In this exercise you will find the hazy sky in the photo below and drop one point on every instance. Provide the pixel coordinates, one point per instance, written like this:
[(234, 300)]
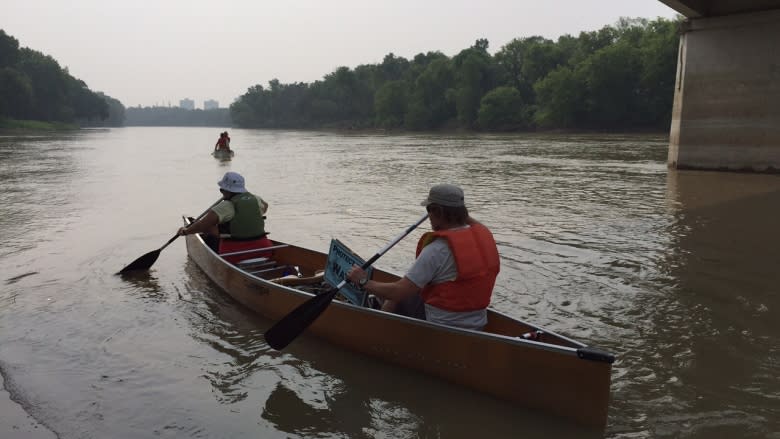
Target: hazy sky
[(147, 52)]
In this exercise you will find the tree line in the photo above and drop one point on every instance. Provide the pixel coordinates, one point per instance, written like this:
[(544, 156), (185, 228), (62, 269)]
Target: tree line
[(620, 77), (33, 86), (174, 116)]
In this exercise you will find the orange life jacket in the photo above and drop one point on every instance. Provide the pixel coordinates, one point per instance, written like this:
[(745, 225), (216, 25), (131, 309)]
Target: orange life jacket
[(477, 261)]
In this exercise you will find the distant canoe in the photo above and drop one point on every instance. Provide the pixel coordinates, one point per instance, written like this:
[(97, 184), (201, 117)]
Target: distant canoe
[(510, 359), (223, 154)]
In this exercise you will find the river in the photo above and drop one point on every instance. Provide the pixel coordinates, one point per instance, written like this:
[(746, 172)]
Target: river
[(674, 272)]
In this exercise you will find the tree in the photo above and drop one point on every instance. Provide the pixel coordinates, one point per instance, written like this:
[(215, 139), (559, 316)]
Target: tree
[(34, 86), (560, 98), (658, 64), (611, 79), (393, 67), (86, 105), (474, 76), (50, 88), (390, 104), (16, 94), (116, 112), (503, 109), (9, 50), (429, 106)]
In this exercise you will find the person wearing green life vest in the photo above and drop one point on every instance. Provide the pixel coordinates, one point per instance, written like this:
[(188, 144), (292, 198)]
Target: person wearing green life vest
[(235, 223)]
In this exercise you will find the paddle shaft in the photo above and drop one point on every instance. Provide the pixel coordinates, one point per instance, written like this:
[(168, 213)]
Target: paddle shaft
[(193, 222), (384, 250), (293, 324), (146, 261)]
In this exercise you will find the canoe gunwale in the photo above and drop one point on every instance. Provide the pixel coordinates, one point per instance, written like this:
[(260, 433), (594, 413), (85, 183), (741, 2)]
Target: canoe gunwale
[(410, 320)]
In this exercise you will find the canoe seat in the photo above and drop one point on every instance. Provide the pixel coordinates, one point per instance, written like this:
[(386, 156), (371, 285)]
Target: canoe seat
[(273, 271), (293, 280), (255, 264), (252, 261)]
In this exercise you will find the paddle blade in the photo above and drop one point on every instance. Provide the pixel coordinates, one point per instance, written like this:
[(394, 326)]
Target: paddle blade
[(142, 263), (294, 323)]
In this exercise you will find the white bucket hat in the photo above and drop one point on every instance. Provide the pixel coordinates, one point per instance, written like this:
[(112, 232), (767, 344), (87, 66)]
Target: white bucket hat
[(232, 182)]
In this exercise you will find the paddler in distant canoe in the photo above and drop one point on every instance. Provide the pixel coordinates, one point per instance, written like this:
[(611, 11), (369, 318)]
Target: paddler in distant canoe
[(223, 143)]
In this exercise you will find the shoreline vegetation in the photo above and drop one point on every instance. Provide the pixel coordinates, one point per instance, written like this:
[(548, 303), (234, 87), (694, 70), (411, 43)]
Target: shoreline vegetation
[(12, 126), (617, 79)]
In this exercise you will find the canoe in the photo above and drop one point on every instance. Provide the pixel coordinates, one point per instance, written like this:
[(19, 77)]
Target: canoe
[(223, 154), (552, 374)]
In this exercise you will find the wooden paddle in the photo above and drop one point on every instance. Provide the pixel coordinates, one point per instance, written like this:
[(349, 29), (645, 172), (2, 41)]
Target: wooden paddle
[(294, 323), (146, 261)]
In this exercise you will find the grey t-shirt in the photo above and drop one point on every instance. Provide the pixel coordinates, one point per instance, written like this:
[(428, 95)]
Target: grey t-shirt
[(435, 265)]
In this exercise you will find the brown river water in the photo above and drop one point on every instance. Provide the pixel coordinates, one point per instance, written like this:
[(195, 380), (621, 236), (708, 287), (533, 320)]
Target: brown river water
[(674, 272)]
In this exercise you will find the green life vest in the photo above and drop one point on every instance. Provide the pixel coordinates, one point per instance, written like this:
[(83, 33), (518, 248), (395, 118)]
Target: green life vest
[(248, 222)]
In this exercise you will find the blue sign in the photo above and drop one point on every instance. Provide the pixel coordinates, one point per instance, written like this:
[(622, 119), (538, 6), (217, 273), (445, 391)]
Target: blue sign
[(340, 260)]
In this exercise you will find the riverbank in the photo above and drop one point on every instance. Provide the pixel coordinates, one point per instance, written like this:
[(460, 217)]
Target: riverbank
[(15, 423), (14, 126)]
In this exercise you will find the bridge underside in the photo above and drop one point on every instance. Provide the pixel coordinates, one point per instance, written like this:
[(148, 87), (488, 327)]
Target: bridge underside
[(726, 113), (717, 8)]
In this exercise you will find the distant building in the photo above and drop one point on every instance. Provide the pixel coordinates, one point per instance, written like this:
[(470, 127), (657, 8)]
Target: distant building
[(187, 104), (211, 104)]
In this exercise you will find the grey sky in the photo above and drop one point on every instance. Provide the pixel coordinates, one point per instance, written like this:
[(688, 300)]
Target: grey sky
[(147, 52)]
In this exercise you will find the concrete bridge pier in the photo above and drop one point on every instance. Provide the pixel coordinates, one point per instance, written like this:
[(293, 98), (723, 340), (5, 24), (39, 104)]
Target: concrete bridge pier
[(726, 113)]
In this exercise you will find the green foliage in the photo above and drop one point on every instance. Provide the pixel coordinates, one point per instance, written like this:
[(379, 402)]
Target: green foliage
[(9, 50), (611, 77), (16, 94), (503, 109), (430, 100), (618, 77), (33, 86), (561, 100), (525, 61), (473, 78), (116, 114), (658, 64), (34, 125), (393, 68), (390, 104)]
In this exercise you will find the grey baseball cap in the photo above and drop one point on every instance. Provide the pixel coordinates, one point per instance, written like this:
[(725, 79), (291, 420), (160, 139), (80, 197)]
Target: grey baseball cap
[(445, 195)]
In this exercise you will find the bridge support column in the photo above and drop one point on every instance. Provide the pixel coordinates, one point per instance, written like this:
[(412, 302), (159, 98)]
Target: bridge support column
[(726, 113)]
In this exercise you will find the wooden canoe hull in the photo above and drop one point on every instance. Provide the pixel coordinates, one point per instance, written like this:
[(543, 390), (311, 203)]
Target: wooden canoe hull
[(549, 376), (225, 155)]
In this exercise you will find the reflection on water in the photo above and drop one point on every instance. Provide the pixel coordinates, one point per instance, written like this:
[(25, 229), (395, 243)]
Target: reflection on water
[(723, 267), (145, 285), (289, 413), (672, 271)]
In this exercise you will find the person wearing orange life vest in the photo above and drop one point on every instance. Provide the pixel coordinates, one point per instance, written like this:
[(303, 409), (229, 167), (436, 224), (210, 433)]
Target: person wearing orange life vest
[(223, 143), (452, 278)]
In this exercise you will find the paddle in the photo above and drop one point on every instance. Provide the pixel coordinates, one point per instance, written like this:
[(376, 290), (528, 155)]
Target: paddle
[(294, 323), (146, 261)]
